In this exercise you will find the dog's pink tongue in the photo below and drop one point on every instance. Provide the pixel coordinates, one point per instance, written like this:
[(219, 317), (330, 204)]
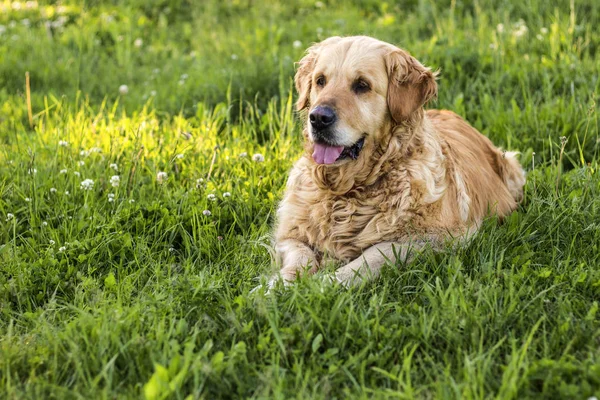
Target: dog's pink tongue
[(324, 154)]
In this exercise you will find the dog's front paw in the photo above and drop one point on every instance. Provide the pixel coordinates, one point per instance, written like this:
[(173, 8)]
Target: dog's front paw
[(271, 284), (348, 277), (330, 279)]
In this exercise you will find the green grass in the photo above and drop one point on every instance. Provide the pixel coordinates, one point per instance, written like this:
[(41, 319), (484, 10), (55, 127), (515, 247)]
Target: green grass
[(147, 296)]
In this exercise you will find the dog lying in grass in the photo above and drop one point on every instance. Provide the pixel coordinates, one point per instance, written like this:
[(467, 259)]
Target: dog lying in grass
[(381, 177)]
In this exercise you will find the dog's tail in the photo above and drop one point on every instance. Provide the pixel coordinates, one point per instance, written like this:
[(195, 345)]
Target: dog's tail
[(511, 172)]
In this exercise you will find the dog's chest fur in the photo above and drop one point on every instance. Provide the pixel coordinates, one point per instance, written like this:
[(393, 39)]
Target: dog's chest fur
[(342, 226)]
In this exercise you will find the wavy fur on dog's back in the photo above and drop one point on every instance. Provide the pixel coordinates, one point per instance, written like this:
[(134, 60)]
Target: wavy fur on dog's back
[(493, 179)]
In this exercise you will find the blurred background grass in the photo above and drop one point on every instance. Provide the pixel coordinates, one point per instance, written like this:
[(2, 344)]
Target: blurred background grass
[(524, 73)]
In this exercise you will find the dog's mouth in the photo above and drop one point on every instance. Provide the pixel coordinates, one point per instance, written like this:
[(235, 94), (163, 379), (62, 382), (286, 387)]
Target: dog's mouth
[(325, 153)]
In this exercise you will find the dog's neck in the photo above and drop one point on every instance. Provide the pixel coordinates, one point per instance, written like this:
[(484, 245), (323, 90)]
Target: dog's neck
[(399, 146)]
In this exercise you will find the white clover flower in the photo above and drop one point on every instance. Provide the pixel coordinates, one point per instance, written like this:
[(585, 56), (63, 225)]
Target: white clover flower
[(131, 201), (26, 22), (111, 195), (114, 166), (181, 82), (52, 242), (207, 213), (44, 223), (87, 184), (161, 176), (183, 77), (156, 71), (500, 28), (153, 93), (243, 155), (63, 143), (31, 4), (9, 216), (319, 4), (76, 173), (32, 171), (52, 190), (493, 46), (179, 156), (258, 157), (123, 90), (211, 197), (81, 163), (59, 22), (544, 31), (226, 194), (115, 180), (171, 249), (519, 28), (234, 57), (138, 42), (297, 44), (67, 192), (63, 171), (199, 181), (539, 37), (27, 199), (111, 199), (84, 153), (62, 248), (521, 31)]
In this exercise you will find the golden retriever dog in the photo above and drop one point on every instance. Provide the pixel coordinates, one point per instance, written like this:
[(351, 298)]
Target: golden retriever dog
[(381, 177)]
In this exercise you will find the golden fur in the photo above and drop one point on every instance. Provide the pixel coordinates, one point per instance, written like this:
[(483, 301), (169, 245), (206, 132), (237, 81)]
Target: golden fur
[(421, 177)]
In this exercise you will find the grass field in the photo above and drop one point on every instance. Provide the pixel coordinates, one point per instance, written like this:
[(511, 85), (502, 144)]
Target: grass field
[(136, 206)]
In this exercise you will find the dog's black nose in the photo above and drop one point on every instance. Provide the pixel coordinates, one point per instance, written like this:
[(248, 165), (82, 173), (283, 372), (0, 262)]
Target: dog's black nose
[(321, 117)]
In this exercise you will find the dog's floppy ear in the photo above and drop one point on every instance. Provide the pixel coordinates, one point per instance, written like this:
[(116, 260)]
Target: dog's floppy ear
[(411, 84), (303, 78)]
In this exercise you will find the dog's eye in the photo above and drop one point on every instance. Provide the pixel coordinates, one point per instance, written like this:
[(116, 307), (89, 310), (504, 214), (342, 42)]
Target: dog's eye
[(320, 81), (360, 86)]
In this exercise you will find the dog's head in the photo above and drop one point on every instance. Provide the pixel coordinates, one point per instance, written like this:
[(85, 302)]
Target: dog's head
[(355, 89)]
